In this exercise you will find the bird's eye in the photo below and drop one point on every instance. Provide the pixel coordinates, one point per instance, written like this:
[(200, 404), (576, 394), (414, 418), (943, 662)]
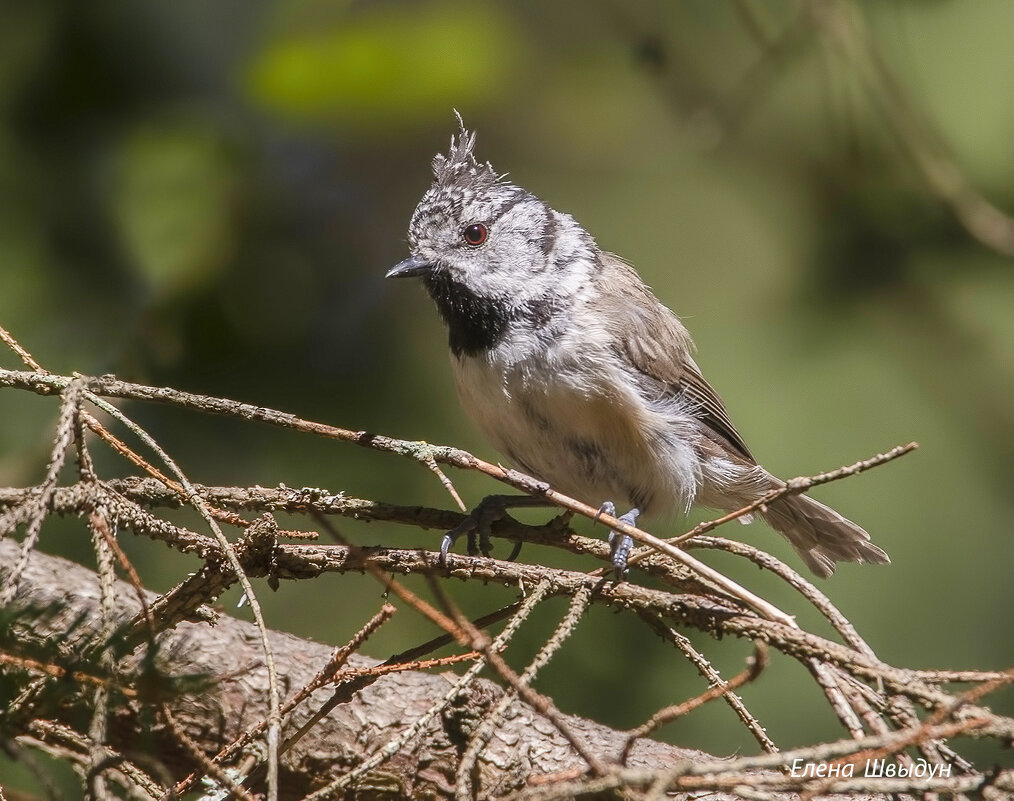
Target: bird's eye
[(475, 234)]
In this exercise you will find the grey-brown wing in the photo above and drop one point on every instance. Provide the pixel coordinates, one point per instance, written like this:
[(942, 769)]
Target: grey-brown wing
[(710, 408), (658, 345)]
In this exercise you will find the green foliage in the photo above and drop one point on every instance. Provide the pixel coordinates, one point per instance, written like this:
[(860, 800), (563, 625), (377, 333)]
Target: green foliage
[(389, 65), (174, 197)]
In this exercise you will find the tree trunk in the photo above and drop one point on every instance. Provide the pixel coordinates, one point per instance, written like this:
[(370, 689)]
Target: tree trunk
[(58, 602)]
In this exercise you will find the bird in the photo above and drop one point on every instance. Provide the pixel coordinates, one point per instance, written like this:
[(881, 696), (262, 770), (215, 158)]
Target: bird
[(577, 373)]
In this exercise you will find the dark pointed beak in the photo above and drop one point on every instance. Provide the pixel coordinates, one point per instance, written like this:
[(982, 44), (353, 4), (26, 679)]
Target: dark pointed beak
[(413, 265)]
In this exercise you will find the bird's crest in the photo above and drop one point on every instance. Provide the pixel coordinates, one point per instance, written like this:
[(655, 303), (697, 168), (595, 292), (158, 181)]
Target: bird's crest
[(459, 165)]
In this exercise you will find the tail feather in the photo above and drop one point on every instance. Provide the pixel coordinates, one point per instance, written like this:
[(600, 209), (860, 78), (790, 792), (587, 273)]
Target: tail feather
[(820, 535)]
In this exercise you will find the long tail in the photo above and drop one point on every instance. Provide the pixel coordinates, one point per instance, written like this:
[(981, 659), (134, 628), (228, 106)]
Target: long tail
[(820, 535)]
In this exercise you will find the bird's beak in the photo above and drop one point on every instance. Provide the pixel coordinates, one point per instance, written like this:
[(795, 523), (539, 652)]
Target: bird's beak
[(413, 265)]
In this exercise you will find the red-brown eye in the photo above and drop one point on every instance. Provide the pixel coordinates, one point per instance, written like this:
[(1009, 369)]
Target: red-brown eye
[(475, 234)]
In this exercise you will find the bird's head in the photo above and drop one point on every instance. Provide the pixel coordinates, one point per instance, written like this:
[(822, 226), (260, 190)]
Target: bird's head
[(476, 230)]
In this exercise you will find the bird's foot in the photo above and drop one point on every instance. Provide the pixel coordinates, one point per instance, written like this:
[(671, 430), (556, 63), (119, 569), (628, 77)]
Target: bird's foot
[(620, 545), (478, 524)]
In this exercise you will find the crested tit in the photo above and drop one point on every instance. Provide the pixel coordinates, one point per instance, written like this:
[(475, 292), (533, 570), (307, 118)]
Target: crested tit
[(579, 374)]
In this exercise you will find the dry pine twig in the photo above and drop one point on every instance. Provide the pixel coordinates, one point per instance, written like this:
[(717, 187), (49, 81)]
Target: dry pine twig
[(866, 694)]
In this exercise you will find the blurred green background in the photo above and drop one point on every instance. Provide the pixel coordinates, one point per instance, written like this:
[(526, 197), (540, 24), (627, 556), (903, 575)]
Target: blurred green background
[(207, 196)]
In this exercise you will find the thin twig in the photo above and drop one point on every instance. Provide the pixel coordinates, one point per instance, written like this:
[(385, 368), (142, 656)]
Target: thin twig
[(72, 394), (100, 524), (139, 461), (755, 665), (274, 713), (427, 459), (395, 745), (494, 718), (340, 656), (794, 486), (334, 664), (23, 354), (843, 702), (52, 732), (388, 581), (708, 671), (97, 728), (540, 703), (59, 672), (420, 664), (794, 579), (920, 733), (195, 753), (109, 386)]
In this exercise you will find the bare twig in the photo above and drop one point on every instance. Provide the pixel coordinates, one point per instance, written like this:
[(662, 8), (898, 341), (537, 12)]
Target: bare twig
[(543, 705), (136, 459), (376, 671), (494, 718), (97, 729), (49, 731), (708, 671), (388, 581), (100, 524), (389, 750), (920, 732), (72, 393), (800, 584), (273, 694), (794, 486), (340, 656), (207, 765), (45, 384), (59, 672), (756, 664), (23, 354), (427, 459)]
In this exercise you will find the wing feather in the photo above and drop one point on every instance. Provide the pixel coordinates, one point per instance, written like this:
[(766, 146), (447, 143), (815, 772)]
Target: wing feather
[(658, 345)]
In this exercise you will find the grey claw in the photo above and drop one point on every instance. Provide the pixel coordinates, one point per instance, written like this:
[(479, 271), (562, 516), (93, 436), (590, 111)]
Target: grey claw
[(607, 508), (445, 545), (466, 526)]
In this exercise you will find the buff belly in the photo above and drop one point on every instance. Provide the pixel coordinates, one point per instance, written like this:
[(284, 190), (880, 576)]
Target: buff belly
[(595, 443)]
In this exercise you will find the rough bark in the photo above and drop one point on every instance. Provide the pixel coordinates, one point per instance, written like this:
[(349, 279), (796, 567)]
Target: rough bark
[(58, 602)]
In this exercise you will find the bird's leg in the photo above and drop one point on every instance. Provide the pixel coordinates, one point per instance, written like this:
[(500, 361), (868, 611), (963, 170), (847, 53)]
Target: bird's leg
[(481, 518), (619, 544)]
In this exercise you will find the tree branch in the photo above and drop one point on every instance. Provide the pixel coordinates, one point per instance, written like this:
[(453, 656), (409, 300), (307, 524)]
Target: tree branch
[(235, 698)]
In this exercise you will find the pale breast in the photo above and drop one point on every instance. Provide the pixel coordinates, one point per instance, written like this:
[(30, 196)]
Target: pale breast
[(576, 423)]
